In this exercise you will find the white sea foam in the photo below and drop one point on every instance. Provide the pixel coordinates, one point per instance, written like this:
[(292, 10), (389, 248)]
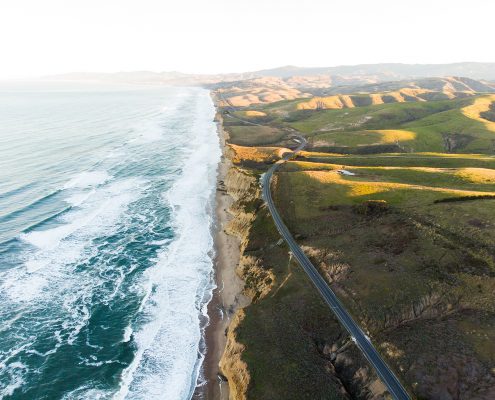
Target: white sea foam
[(151, 130), (87, 392), (62, 245), (15, 370), (86, 179), (167, 361), (7, 324), (78, 198), (116, 154), (57, 279), (127, 334), (47, 278), (159, 242), (147, 132)]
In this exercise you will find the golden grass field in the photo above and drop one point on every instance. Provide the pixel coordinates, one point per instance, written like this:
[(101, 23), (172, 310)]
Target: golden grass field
[(397, 96), (480, 105), (256, 154)]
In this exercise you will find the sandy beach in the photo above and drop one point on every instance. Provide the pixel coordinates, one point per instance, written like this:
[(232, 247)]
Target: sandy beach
[(227, 297)]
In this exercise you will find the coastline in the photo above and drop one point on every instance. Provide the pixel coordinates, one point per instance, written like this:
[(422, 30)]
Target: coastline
[(227, 297)]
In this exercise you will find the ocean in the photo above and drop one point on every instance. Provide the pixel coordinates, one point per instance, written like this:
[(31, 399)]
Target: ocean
[(106, 200)]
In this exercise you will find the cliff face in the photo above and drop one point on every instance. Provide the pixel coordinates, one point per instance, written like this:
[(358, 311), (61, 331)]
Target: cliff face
[(231, 364), (243, 188)]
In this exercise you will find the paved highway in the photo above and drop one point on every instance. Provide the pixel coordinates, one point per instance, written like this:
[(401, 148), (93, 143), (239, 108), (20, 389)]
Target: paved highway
[(363, 342)]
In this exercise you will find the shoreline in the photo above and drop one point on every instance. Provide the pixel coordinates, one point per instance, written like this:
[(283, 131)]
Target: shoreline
[(227, 296)]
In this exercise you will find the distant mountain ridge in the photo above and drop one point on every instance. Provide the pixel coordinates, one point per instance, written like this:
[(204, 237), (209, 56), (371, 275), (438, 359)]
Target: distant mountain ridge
[(151, 77), (391, 71), (445, 84), (335, 76)]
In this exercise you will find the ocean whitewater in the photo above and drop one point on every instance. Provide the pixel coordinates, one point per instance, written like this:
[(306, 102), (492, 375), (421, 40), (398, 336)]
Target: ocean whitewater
[(106, 199)]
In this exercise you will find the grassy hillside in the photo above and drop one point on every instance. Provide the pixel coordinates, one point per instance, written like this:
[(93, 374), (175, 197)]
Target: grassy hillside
[(450, 126), (407, 241), (402, 95), (325, 92), (417, 271), (440, 85)]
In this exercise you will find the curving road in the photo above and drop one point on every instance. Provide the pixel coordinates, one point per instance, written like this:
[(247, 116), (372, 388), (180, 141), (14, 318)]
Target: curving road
[(363, 342)]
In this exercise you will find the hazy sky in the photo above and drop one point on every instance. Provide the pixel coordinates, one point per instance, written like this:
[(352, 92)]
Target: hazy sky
[(39, 37)]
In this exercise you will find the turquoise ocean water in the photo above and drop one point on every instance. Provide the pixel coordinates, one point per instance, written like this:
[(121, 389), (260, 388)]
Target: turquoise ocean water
[(105, 240)]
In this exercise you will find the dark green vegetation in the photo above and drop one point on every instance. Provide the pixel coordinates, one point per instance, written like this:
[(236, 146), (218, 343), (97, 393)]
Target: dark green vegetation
[(407, 242), (414, 263), (490, 114), (254, 135)]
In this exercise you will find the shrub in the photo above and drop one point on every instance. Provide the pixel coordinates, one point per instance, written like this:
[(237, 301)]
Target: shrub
[(372, 207)]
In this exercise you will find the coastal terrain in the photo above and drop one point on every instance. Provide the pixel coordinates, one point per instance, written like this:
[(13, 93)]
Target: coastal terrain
[(393, 200), (247, 200)]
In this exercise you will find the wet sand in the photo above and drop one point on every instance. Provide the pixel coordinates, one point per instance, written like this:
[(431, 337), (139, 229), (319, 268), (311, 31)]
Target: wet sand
[(227, 296)]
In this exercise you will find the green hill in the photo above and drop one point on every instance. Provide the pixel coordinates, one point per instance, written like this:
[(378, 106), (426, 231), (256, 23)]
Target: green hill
[(450, 126)]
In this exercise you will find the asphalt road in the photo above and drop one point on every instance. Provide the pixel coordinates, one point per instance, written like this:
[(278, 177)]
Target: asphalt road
[(363, 342)]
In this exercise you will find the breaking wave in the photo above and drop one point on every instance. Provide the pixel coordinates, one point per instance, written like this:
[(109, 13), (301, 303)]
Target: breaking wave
[(103, 294)]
